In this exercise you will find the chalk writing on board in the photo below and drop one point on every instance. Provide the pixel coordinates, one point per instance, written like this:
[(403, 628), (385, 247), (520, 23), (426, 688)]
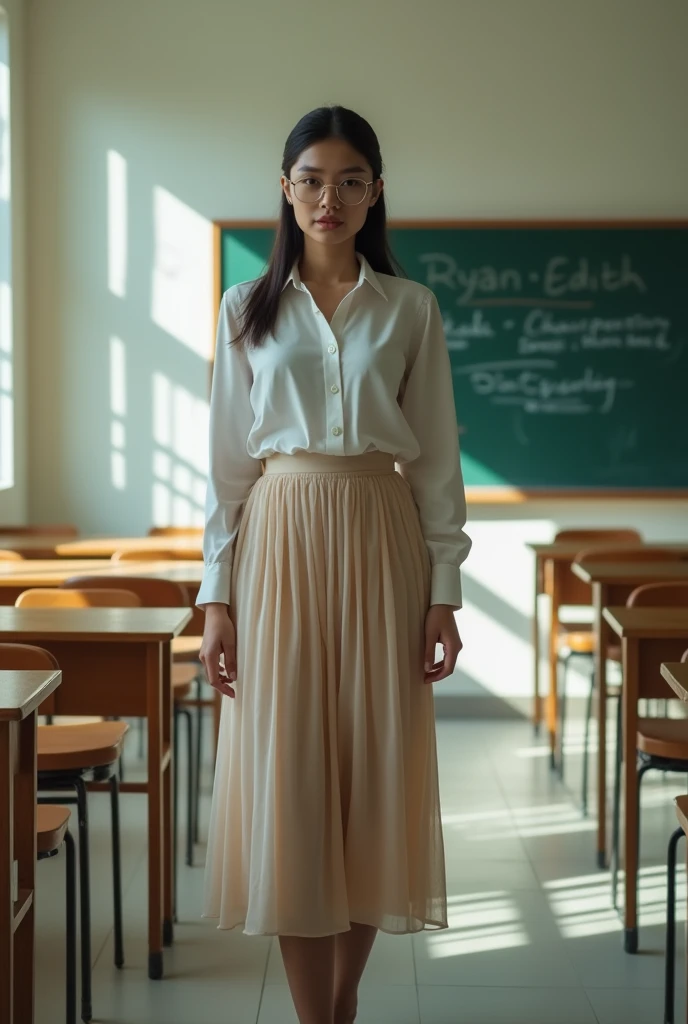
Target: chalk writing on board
[(538, 387), (561, 278)]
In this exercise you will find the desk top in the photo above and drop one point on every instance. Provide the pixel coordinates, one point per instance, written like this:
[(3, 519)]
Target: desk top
[(631, 572), (111, 625), (52, 572), (22, 692), (667, 623), (681, 803), (187, 546), (676, 675), (563, 549)]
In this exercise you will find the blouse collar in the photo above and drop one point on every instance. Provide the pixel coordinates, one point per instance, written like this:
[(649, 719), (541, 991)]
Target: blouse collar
[(366, 274)]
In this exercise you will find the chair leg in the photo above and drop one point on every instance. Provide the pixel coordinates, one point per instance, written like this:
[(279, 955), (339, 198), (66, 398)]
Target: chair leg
[(199, 756), (586, 741), (175, 807), (190, 788), (670, 954), (631, 940), (85, 901), (71, 927), (618, 760), (142, 735), (562, 673), (117, 872)]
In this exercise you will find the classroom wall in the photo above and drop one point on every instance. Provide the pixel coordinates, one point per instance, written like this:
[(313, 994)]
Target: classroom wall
[(13, 499), (146, 120)]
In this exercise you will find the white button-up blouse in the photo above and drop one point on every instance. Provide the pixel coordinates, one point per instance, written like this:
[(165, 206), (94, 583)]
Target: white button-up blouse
[(377, 378)]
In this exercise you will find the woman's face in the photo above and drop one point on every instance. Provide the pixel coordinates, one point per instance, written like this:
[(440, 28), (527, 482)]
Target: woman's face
[(330, 219)]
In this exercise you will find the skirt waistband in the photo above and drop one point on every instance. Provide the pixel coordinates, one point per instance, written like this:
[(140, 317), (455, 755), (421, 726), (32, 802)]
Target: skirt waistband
[(313, 462)]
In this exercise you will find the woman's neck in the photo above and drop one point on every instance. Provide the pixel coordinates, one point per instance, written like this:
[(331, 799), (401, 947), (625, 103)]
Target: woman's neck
[(328, 265)]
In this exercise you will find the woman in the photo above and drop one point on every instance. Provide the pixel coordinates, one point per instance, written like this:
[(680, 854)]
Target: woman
[(329, 579)]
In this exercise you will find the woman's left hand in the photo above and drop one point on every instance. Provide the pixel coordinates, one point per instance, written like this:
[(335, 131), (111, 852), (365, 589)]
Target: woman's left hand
[(440, 628)]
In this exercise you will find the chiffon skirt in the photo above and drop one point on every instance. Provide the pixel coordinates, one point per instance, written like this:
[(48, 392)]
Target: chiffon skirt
[(325, 805)]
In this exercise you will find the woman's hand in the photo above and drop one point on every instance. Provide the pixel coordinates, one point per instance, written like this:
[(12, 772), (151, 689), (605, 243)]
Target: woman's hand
[(219, 642), (440, 628)]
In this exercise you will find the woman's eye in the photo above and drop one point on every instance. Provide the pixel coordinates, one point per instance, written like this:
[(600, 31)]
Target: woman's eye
[(349, 182), (311, 181)]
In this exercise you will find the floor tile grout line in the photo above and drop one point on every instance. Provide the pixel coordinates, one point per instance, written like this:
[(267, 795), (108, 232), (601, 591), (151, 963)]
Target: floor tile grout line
[(125, 892)]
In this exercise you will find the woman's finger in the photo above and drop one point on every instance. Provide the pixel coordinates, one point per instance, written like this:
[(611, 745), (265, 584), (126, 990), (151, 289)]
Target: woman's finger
[(223, 686)]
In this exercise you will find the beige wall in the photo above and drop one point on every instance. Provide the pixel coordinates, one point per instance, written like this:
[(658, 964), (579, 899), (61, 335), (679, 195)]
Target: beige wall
[(13, 500), (175, 113)]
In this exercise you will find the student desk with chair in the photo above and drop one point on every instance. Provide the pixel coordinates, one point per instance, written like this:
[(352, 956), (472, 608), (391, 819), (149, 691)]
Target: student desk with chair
[(117, 662), (21, 694)]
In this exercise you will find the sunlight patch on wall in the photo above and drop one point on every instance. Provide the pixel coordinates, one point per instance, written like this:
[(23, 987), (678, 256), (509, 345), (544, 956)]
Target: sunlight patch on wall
[(182, 296), (493, 655), (117, 223), (6, 389), (180, 458), (118, 410)]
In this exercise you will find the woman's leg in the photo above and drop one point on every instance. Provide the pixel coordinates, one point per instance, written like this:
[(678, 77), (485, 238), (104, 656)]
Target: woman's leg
[(352, 950), (309, 964)]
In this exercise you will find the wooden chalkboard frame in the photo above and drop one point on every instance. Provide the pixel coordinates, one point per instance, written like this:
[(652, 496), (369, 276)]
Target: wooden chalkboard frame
[(492, 495)]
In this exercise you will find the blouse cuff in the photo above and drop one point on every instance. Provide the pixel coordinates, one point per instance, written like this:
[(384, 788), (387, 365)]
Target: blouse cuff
[(216, 584), (445, 585)]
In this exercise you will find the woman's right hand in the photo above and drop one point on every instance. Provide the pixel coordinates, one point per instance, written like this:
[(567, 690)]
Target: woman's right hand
[(219, 641)]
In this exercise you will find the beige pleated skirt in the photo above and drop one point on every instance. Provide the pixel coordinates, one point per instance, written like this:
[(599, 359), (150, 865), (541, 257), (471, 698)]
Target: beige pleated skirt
[(326, 806)]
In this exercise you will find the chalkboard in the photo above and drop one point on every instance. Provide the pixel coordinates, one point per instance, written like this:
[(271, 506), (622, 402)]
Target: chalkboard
[(568, 345)]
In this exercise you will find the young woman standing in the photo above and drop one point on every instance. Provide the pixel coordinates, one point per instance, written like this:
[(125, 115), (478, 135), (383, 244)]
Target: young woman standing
[(329, 579)]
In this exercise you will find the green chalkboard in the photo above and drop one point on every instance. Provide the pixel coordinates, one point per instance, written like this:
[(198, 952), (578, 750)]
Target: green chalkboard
[(568, 345)]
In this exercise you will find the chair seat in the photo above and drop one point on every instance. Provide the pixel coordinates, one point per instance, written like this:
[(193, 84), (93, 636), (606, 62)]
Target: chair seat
[(182, 680), (663, 737), (186, 648), (576, 641), (68, 747), (51, 824)]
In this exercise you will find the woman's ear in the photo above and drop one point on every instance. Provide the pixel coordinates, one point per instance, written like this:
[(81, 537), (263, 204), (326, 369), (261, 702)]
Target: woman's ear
[(376, 191)]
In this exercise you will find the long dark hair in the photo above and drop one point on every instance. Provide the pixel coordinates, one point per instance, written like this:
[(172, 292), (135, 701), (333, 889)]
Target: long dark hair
[(261, 306)]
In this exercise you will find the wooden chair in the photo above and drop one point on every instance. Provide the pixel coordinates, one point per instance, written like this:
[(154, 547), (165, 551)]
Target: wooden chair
[(157, 593), (10, 556), (52, 831), (157, 554), (68, 758), (661, 743), (62, 530), (175, 531), (591, 536), (107, 597), (579, 642), (681, 803)]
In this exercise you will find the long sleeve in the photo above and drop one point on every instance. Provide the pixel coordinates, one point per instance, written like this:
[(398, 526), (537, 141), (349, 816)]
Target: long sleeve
[(233, 471), (435, 476)]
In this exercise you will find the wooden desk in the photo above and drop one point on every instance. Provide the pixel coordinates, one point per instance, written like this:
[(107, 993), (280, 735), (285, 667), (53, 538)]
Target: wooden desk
[(612, 583), (649, 637), (33, 546), (21, 693), (551, 560), (676, 675), (15, 577), (116, 661), (187, 547)]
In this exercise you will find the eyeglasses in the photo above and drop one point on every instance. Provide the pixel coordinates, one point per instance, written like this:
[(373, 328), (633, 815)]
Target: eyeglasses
[(351, 192)]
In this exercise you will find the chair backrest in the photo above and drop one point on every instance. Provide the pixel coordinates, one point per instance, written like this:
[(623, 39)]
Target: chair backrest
[(175, 531), (153, 593), (26, 658), (659, 595), (10, 556), (643, 554), (61, 530), (50, 597), (594, 535), (145, 555)]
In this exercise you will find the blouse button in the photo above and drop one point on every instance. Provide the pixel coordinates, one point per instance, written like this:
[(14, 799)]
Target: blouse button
[(336, 431), (332, 349), (334, 389)]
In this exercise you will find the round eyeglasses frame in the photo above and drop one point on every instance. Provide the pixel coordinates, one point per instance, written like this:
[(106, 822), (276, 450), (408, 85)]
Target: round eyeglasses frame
[(311, 202)]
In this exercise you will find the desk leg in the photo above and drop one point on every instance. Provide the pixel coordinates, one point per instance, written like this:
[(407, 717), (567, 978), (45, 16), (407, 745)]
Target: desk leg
[(6, 858), (553, 695), (169, 834), (603, 637), (629, 696), (156, 871), (537, 700), (25, 854)]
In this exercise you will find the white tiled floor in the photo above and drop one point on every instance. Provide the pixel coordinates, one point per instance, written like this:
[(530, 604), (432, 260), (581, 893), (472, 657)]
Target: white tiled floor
[(532, 938)]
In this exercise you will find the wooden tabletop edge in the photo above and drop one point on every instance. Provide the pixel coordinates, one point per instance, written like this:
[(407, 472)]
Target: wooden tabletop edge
[(33, 698)]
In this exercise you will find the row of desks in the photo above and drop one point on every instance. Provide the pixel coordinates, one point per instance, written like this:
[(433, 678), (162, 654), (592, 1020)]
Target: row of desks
[(114, 662), (57, 546)]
